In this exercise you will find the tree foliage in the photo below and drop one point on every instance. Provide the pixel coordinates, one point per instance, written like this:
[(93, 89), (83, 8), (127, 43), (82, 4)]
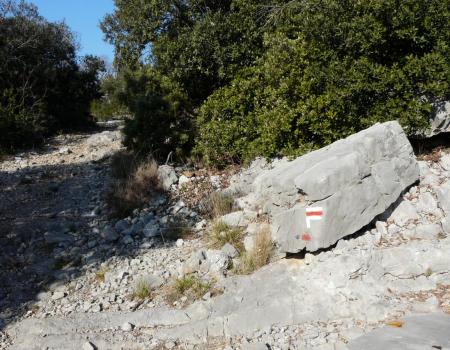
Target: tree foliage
[(332, 68), (283, 77), (44, 87)]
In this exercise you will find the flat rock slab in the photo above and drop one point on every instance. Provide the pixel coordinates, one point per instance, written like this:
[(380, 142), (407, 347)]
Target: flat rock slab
[(418, 332), (335, 191)]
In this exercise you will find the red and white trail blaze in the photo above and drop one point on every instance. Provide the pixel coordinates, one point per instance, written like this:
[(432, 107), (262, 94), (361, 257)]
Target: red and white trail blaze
[(313, 214)]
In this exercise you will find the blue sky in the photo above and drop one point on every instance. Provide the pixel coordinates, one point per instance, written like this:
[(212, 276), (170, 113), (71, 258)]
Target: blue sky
[(83, 17)]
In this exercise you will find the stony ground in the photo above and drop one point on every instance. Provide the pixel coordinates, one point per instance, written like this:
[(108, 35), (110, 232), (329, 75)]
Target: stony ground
[(69, 273)]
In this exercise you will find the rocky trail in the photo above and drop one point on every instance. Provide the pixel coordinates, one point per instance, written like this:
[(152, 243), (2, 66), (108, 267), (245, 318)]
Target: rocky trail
[(68, 271)]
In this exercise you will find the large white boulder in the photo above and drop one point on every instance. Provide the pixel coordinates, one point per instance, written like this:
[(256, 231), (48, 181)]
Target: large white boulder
[(333, 192)]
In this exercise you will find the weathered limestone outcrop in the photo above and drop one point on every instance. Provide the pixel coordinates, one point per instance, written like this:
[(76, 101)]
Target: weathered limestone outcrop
[(440, 119), (333, 192)]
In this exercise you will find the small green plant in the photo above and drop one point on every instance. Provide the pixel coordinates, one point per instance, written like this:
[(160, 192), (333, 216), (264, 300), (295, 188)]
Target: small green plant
[(100, 274), (190, 286), (428, 272), (221, 233), (141, 290), (258, 256)]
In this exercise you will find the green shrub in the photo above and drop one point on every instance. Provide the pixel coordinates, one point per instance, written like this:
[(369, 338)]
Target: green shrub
[(161, 120), (110, 106), (332, 69)]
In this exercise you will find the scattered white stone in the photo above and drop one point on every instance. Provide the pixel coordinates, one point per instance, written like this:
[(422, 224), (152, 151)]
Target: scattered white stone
[(183, 180), (58, 295), (179, 243), (89, 346), (127, 327)]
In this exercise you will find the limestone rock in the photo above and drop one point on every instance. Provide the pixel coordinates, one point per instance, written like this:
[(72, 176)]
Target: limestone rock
[(89, 346), (167, 176), (417, 332), (183, 180), (229, 250), (151, 230), (217, 261), (445, 161), (237, 218), (443, 194), (127, 327), (440, 119), (342, 186), (404, 213)]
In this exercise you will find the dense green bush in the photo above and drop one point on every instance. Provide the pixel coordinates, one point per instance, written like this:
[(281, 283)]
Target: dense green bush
[(197, 46), (44, 87), (162, 121), (110, 106), (333, 68), (278, 77)]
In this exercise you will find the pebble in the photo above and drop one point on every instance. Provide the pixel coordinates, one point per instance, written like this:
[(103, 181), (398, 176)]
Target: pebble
[(89, 346), (127, 327)]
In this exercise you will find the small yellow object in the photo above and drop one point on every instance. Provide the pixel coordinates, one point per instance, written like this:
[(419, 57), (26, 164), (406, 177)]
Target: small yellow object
[(397, 324)]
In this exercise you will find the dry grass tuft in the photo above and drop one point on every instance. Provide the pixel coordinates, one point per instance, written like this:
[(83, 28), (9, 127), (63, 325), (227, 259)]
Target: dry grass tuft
[(100, 274), (221, 233), (260, 254), (135, 189), (141, 290), (217, 204)]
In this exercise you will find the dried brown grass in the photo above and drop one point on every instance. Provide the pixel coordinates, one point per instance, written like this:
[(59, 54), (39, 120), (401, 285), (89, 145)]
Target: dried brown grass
[(133, 190), (259, 256), (217, 204)]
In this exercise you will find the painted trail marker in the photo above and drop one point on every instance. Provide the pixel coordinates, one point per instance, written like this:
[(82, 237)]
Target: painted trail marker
[(313, 214)]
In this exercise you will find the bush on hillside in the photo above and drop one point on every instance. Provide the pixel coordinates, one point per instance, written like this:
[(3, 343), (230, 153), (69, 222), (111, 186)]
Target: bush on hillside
[(332, 69)]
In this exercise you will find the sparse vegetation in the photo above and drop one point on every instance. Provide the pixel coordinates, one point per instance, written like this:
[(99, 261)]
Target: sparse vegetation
[(135, 189), (100, 274), (428, 272), (260, 254), (190, 286), (141, 290), (221, 233), (217, 204)]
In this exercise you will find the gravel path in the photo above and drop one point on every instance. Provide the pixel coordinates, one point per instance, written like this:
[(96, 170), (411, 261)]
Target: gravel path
[(70, 272)]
